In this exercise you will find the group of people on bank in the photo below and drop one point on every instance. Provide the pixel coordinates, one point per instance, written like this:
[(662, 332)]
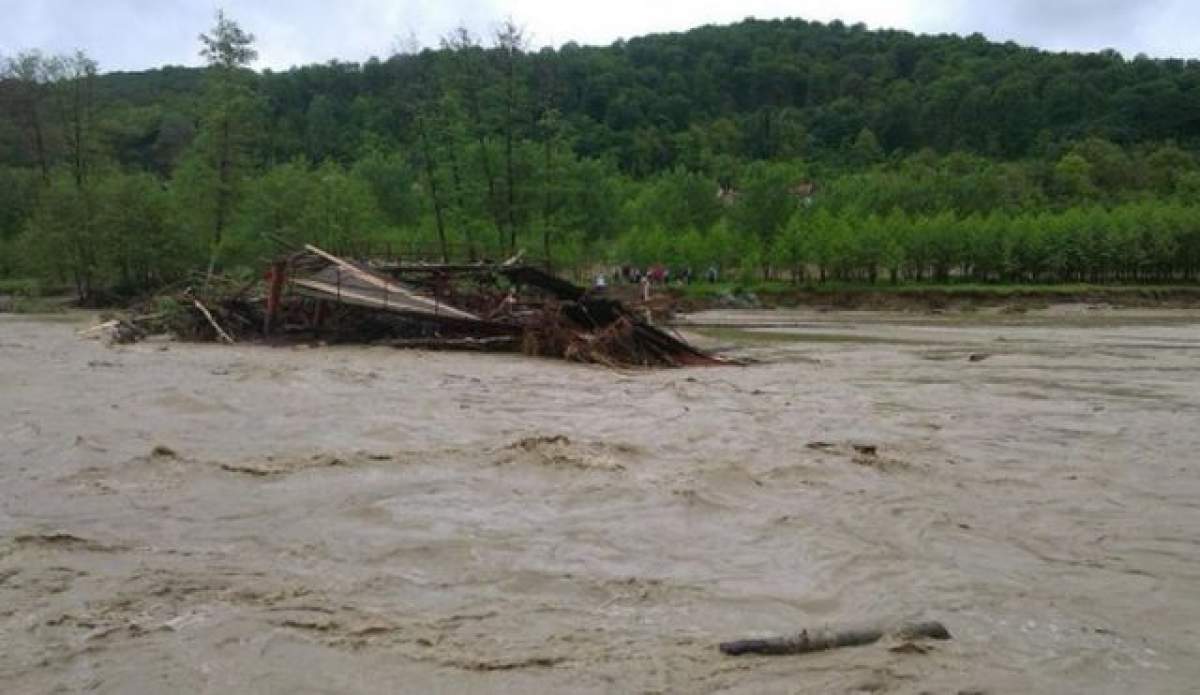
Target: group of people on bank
[(656, 274)]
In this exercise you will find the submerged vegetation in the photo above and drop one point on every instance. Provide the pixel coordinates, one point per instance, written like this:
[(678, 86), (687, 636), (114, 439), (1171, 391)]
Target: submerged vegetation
[(782, 150)]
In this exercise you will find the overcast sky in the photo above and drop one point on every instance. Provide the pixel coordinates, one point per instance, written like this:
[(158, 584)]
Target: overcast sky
[(137, 34)]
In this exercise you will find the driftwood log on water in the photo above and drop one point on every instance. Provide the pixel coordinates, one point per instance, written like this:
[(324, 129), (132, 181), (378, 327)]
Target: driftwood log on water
[(821, 640)]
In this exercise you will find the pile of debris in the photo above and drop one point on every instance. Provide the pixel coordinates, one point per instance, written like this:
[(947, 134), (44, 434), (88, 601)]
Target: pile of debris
[(312, 294)]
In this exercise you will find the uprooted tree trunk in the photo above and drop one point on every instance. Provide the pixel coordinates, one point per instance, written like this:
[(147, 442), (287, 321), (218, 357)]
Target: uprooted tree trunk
[(820, 640)]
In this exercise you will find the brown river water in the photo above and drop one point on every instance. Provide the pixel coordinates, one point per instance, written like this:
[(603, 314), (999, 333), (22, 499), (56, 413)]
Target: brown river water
[(202, 518)]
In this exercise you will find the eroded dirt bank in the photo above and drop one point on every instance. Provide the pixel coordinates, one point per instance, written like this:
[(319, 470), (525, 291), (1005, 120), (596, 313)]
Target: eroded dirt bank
[(181, 518)]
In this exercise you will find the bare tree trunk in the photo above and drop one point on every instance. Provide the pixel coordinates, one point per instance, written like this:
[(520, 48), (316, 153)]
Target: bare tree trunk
[(74, 111), (546, 205), (485, 160), (431, 179), (39, 141), (471, 87), (508, 160), (808, 641), (31, 103), (224, 174), (510, 39), (493, 206), (547, 86), (456, 178), (81, 114)]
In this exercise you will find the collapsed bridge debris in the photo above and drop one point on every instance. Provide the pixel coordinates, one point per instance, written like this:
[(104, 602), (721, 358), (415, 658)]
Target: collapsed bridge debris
[(510, 306)]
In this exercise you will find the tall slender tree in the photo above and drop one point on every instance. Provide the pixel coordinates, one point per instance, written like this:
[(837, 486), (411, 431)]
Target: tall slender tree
[(229, 51), (27, 74), (510, 45), (74, 81), (472, 75), (429, 164)]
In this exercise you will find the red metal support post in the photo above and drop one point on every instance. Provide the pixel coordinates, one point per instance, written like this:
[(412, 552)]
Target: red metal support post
[(275, 279)]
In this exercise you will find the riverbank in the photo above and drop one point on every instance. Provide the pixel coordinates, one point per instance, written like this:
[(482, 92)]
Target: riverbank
[(701, 296), (924, 297)]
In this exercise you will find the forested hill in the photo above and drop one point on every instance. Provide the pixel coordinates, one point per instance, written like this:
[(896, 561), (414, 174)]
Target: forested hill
[(753, 90), (765, 148)]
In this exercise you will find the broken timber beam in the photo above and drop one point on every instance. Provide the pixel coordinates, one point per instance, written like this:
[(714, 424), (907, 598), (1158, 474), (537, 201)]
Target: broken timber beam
[(217, 327), (370, 278)]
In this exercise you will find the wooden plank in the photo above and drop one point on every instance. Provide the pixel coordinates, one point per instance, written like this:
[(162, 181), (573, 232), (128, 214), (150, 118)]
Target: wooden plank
[(373, 279), (349, 296), (203, 310)]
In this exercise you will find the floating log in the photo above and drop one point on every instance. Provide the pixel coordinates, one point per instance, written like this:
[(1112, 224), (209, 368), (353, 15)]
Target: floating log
[(820, 640)]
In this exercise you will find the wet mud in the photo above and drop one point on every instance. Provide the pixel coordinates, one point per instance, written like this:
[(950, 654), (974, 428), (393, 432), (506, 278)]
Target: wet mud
[(182, 518)]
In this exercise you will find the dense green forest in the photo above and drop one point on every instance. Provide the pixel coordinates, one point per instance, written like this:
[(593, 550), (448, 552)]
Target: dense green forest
[(785, 149)]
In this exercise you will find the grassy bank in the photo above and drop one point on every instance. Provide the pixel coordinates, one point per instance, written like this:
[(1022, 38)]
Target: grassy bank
[(927, 295), (31, 296)]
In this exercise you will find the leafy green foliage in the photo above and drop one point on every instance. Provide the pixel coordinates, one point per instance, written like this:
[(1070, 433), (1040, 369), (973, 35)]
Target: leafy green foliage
[(765, 150)]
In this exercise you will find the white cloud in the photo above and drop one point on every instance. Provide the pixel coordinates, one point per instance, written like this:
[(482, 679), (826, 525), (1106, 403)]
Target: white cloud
[(1153, 26)]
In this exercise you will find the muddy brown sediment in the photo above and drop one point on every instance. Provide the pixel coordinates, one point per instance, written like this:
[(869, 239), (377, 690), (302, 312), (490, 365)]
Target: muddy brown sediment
[(370, 520)]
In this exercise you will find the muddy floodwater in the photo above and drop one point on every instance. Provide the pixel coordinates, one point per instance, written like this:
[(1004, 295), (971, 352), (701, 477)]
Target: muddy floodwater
[(201, 518)]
